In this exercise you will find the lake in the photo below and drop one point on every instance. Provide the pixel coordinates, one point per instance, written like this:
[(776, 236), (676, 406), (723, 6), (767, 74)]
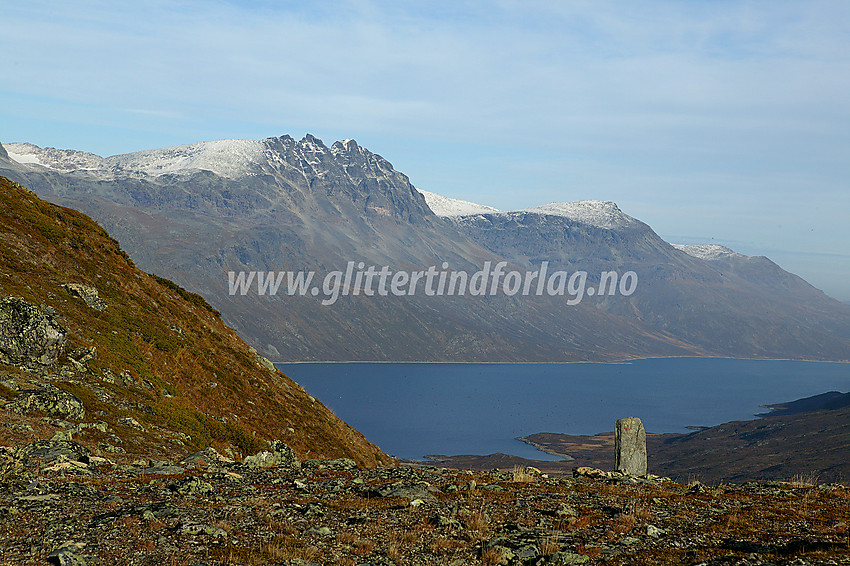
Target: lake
[(414, 409)]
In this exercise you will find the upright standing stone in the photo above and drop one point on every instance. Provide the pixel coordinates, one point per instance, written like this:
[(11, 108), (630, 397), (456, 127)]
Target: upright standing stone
[(630, 446)]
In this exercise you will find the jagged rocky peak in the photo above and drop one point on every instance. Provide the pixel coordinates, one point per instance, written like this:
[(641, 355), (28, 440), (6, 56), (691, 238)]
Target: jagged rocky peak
[(709, 252), (3, 153), (346, 146), (311, 143)]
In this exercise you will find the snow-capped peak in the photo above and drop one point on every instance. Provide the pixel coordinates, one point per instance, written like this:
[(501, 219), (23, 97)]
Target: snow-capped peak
[(602, 214), (445, 206), (708, 252)]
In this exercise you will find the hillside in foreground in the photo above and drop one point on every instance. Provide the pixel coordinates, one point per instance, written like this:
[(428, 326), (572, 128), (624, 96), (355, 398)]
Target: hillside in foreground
[(331, 513), (130, 365)]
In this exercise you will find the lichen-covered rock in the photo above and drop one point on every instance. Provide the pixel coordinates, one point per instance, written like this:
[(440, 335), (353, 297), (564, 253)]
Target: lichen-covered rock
[(418, 490), (50, 450), (592, 473), (28, 336), (89, 295), (67, 555), (280, 455), (207, 456), (335, 464), (208, 530), (49, 400), (193, 486)]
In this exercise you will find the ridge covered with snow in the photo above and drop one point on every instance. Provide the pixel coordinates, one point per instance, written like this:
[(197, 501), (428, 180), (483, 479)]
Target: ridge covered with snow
[(237, 158), (708, 252), (57, 159), (602, 214), (445, 206), (226, 158)]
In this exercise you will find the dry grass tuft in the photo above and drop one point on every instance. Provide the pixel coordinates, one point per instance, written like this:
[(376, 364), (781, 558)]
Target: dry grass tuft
[(549, 544), (491, 557), (808, 479), (523, 474)]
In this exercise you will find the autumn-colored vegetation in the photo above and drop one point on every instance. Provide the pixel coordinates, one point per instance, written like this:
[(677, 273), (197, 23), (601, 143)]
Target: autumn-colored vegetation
[(163, 355)]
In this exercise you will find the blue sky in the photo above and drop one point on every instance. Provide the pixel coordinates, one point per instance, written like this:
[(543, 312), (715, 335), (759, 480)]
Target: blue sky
[(714, 122)]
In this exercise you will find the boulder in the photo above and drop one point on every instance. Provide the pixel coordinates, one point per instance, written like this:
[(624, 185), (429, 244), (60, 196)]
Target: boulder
[(206, 457), (592, 473), (280, 455), (28, 336), (50, 450), (49, 400), (88, 295)]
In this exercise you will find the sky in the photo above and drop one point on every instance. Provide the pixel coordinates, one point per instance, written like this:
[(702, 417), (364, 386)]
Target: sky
[(712, 121)]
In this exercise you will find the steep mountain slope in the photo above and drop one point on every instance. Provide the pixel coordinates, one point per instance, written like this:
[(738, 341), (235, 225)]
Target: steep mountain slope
[(126, 362), (194, 213)]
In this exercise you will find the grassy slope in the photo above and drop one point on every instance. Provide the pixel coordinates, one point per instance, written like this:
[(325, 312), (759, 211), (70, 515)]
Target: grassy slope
[(186, 372)]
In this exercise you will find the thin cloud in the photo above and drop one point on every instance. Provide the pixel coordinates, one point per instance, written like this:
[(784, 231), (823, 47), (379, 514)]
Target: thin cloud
[(665, 106)]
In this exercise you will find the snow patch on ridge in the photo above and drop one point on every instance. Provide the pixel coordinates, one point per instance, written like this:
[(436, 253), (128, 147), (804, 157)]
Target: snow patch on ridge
[(25, 158), (51, 158), (445, 206), (226, 158), (602, 214), (708, 252)]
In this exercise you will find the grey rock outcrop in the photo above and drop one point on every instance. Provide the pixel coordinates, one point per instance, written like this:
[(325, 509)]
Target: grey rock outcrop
[(280, 455), (207, 456), (418, 490), (28, 336), (50, 450), (49, 400), (630, 446), (67, 555), (88, 295)]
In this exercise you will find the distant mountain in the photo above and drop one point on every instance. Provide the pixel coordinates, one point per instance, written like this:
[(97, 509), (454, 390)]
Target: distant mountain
[(445, 206), (725, 302), (193, 213)]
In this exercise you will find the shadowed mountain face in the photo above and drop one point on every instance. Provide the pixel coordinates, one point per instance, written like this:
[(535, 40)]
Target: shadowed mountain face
[(727, 303), (194, 213)]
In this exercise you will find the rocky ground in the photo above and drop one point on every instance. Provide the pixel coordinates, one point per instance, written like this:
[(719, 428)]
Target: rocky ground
[(61, 504)]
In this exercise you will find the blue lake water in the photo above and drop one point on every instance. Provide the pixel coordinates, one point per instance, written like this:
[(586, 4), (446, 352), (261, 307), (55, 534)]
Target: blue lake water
[(414, 409)]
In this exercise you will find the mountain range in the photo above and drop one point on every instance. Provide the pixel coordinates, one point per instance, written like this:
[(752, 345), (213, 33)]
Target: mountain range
[(195, 213)]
